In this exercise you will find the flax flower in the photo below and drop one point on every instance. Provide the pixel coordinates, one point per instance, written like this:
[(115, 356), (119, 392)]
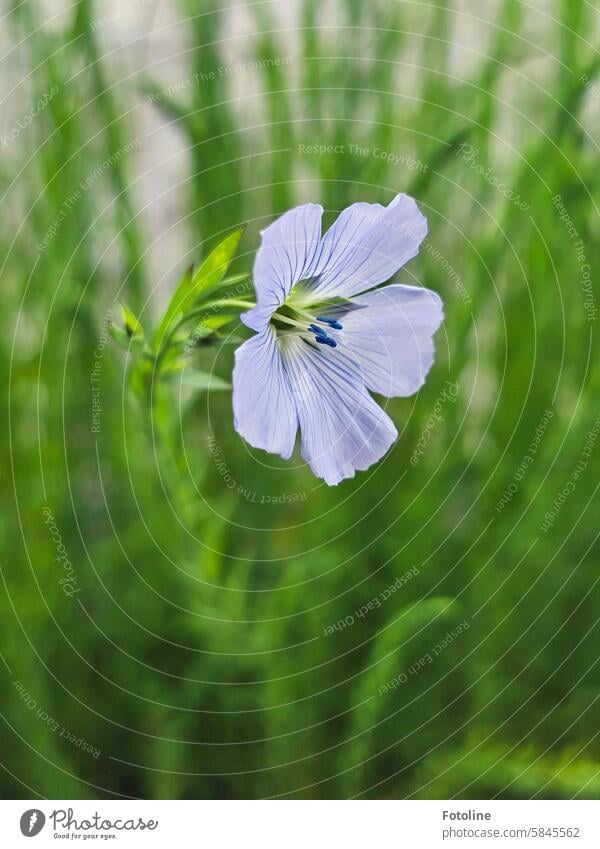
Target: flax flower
[(326, 336)]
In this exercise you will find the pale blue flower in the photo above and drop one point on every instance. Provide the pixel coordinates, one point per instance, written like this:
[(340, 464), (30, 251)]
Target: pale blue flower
[(325, 336)]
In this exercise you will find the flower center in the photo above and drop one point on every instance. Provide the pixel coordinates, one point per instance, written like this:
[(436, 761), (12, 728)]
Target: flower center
[(314, 328)]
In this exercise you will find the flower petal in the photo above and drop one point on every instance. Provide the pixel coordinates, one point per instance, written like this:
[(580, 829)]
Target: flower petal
[(264, 412), (258, 317), (287, 254), (365, 246), (388, 338), (343, 429)]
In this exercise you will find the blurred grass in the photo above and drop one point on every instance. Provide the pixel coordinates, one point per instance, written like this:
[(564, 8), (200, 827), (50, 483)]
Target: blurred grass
[(195, 655)]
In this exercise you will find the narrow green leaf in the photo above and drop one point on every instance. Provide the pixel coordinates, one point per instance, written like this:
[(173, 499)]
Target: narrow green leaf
[(132, 324), (200, 335), (214, 322), (172, 310), (119, 335), (236, 278), (229, 339), (193, 283), (174, 367), (200, 381), (213, 269)]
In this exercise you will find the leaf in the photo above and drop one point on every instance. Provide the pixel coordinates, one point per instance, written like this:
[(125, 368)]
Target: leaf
[(230, 339), (199, 380), (172, 309), (204, 333), (236, 278), (173, 367), (214, 322), (203, 381), (119, 335), (193, 283), (204, 329), (212, 270), (132, 325)]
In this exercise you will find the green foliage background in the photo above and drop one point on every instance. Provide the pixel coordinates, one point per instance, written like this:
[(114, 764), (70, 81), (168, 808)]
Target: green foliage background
[(196, 655)]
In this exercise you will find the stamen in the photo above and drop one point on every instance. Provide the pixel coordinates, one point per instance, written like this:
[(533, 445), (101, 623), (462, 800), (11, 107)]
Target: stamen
[(332, 322), (287, 320), (298, 328), (326, 340)]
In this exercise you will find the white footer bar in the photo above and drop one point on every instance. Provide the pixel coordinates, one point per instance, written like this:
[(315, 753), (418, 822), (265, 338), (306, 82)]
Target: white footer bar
[(302, 824)]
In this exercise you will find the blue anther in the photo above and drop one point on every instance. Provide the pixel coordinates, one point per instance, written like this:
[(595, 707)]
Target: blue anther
[(332, 322), (326, 340), (317, 330)]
